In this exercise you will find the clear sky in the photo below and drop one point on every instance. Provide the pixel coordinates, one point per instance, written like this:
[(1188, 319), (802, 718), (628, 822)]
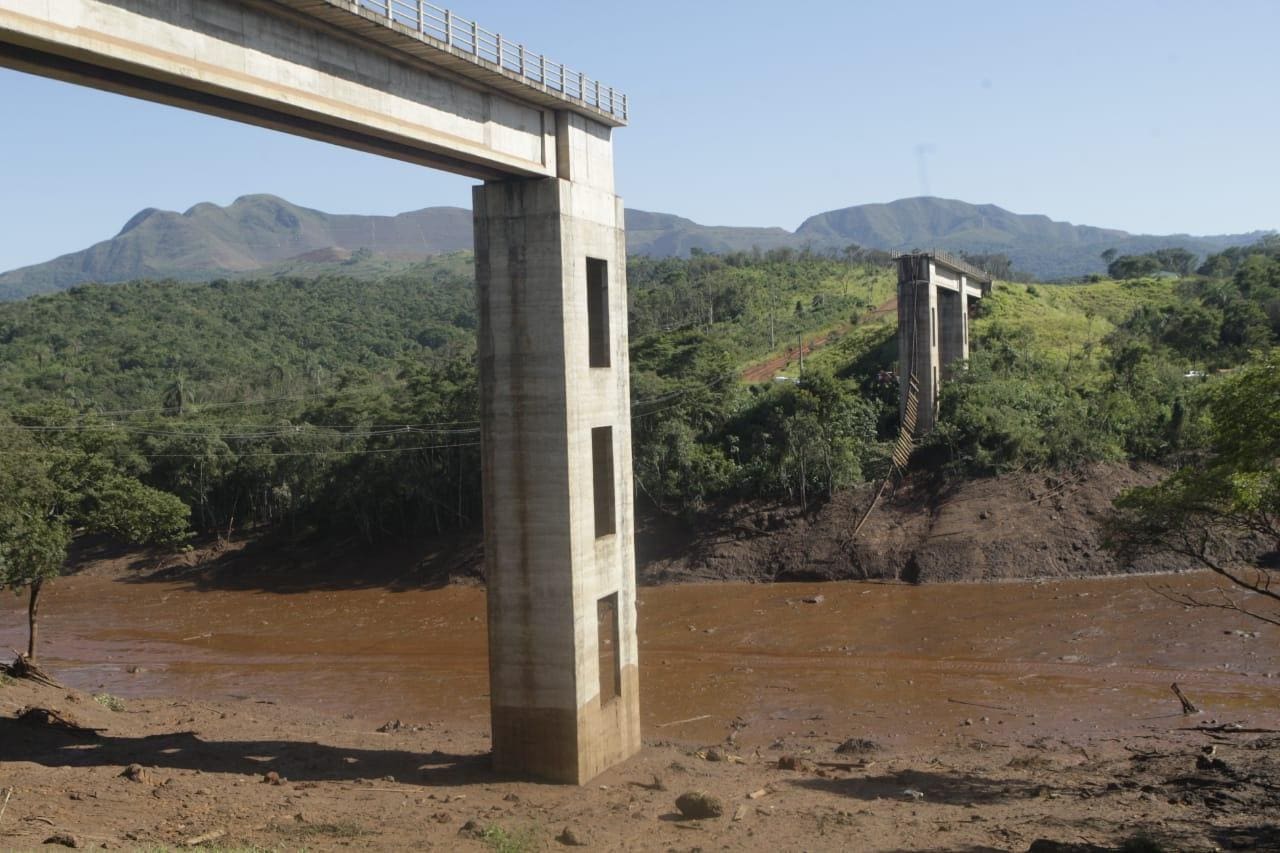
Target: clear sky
[(1155, 117)]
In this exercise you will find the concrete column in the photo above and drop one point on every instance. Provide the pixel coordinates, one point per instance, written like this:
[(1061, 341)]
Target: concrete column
[(918, 343), (556, 451), (951, 325)]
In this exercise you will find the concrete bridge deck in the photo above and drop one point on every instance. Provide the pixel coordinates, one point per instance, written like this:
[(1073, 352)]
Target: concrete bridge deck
[(469, 49), (334, 70)]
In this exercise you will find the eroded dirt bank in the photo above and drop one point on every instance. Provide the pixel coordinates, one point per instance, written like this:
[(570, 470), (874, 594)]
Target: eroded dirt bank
[(984, 717), (1015, 526)]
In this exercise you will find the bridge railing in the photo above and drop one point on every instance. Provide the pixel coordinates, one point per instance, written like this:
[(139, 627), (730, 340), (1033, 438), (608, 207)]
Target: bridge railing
[(467, 36)]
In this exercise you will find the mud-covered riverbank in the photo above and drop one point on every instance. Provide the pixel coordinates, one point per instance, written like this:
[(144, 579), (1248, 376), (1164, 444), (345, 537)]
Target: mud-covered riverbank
[(249, 774), (1019, 526), (889, 657), (1026, 525), (983, 717)]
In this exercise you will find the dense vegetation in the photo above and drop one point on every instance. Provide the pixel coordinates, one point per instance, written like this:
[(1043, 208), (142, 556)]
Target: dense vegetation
[(1063, 375), (350, 406), (1225, 499)]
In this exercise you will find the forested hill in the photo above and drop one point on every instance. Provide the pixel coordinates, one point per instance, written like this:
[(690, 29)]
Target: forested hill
[(263, 236), (350, 406), (251, 234), (1046, 248), (125, 346)]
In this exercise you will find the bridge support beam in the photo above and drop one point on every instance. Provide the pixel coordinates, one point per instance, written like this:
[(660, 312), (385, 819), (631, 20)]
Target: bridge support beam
[(918, 351), (556, 435), (953, 349), (935, 291)]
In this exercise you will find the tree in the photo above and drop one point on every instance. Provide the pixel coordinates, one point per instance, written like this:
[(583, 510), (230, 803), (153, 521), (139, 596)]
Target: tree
[(1108, 256), (1176, 260), (997, 264), (1211, 511), (55, 479), (1245, 325), (177, 397), (1133, 266), (33, 540)]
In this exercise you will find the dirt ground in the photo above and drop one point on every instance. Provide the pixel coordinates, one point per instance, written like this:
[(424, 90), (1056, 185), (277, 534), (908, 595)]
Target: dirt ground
[(1016, 526), (255, 775), (1027, 716)]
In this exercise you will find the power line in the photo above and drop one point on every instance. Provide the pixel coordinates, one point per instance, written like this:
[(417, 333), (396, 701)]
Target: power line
[(314, 430), (309, 430), (285, 431), (338, 392), (277, 452), (677, 395)]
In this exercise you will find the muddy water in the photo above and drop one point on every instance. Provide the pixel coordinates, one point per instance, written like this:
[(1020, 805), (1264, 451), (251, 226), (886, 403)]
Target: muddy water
[(900, 664)]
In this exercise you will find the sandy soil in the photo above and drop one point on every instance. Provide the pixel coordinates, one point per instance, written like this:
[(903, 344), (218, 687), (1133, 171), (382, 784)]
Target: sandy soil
[(253, 774)]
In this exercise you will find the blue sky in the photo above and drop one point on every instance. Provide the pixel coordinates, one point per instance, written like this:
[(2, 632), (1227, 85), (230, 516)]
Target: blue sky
[(1152, 117)]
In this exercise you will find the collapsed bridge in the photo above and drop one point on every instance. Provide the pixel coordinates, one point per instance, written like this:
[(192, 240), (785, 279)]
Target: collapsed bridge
[(935, 296)]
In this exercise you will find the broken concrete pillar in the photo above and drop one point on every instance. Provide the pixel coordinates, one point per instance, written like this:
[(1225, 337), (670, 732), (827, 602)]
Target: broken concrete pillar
[(934, 292)]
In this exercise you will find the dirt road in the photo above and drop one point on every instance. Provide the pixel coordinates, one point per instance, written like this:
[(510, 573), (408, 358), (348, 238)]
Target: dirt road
[(765, 371)]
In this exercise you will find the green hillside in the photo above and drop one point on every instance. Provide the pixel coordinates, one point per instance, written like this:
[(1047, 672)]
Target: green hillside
[(350, 407), (1044, 247), (255, 234), (108, 347), (351, 404)]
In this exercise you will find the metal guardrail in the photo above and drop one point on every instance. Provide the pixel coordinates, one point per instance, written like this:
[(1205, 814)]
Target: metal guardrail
[(954, 262), (465, 36)]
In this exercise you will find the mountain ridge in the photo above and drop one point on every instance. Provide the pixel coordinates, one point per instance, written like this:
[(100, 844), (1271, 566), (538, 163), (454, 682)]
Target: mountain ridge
[(265, 233)]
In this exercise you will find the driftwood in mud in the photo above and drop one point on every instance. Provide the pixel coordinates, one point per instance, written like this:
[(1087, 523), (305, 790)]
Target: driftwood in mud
[(1229, 729), (24, 667), (51, 718), (1187, 706)]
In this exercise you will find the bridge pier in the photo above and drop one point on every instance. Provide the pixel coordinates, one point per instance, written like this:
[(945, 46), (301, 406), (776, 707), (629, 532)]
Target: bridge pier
[(556, 450), (551, 281), (934, 295)]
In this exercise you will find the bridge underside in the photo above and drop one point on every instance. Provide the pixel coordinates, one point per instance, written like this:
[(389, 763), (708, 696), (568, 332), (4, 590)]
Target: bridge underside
[(266, 64), (551, 279)]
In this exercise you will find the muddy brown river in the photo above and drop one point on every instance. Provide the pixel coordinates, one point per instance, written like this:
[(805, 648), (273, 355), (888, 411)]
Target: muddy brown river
[(903, 665)]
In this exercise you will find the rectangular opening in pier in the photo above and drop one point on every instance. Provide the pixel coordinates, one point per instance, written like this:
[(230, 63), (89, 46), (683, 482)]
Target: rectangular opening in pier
[(607, 642), (598, 311), (602, 478)]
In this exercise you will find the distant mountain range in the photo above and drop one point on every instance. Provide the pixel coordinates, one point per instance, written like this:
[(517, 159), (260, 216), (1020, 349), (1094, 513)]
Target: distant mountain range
[(263, 234)]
